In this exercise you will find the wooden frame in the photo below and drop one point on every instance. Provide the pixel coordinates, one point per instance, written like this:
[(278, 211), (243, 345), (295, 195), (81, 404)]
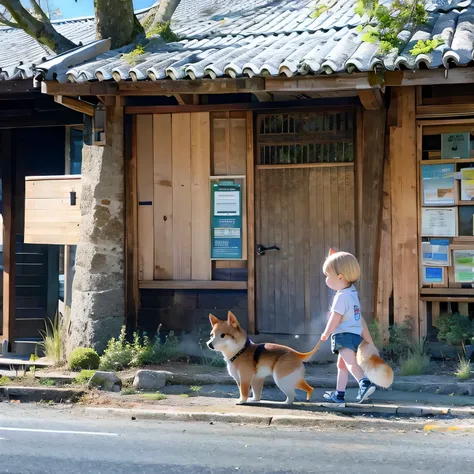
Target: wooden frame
[(193, 285), (9, 224)]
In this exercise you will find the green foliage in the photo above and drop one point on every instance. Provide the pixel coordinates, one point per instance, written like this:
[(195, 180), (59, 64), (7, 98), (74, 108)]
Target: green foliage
[(132, 57), (415, 363), (454, 329), (154, 396), (400, 346), (53, 340), (120, 354), (164, 30), (425, 47), (463, 371), (4, 380), (84, 376), (385, 24), (320, 9), (47, 382), (129, 391), (84, 358)]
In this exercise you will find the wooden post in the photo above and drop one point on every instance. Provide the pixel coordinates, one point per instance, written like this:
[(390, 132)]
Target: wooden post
[(251, 225), (404, 208), (9, 186)]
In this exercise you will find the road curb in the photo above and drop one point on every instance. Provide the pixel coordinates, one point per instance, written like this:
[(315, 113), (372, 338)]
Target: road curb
[(38, 394), (313, 421)]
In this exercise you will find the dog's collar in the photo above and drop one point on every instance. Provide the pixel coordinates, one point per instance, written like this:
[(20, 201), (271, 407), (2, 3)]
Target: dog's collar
[(247, 343)]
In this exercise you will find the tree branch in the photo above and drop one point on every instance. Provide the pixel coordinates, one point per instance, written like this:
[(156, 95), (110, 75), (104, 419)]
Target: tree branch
[(40, 12), (41, 31), (5, 22)]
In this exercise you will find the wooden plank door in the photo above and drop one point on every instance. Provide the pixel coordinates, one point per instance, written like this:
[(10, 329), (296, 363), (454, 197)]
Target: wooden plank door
[(303, 209)]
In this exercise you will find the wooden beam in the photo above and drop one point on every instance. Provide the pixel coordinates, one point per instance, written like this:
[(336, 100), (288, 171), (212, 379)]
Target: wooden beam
[(83, 89), (250, 184), (438, 111), (371, 99), (186, 99), (192, 285), (9, 224), (75, 104), (17, 86), (403, 170), (424, 77)]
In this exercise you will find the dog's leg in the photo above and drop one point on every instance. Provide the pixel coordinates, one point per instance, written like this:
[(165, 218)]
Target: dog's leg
[(257, 387), (244, 387), (303, 385), (287, 381)]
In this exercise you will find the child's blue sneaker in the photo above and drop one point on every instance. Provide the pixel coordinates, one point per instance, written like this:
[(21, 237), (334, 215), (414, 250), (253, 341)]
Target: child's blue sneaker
[(366, 389), (333, 397)]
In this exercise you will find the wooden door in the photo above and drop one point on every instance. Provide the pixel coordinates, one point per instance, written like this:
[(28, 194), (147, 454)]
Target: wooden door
[(304, 206)]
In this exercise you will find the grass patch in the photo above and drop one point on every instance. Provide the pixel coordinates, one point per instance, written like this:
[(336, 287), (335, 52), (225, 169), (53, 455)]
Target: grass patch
[(415, 364), (154, 396), (129, 391), (47, 382), (4, 381), (164, 30), (53, 340), (84, 376), (463, 371), (184, 395), (195, 388)]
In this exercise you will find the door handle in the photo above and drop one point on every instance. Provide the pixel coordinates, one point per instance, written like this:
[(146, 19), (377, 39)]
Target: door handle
[(261, 249)]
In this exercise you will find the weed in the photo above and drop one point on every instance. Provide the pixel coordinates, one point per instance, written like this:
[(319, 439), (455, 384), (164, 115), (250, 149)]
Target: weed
[(195, 388), (84, 376), (154, 396), (132, 57), (54, 339), (129, 391), (184, 395), (48, 382), (164, 30), (4, 381), (415, 363), (463, 371), (120, 354)]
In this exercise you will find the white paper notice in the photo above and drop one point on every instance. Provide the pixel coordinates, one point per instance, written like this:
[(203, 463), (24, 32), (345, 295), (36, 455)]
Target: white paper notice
[(226, 203), (438, 222)]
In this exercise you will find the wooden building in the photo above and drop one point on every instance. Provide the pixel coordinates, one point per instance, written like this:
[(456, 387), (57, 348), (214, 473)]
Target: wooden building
[(226, 158)]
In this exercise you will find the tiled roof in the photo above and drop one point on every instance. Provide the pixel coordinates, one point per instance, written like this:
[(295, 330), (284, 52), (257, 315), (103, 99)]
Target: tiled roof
[(232, 38), (20, 54)]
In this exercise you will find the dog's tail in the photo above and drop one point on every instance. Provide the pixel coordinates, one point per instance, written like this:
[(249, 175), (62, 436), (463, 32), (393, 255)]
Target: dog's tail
[(305, 356), (375, 368)]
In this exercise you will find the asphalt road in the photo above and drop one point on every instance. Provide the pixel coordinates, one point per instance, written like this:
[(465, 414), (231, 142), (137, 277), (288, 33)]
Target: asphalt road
[(36, 441)]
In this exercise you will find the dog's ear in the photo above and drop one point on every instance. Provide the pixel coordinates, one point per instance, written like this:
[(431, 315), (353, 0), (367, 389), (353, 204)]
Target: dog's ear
[(213, 319), (232, 320), (331, 252)]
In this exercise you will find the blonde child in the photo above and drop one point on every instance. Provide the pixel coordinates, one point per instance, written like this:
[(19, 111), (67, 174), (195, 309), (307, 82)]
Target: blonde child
[(346, 325)]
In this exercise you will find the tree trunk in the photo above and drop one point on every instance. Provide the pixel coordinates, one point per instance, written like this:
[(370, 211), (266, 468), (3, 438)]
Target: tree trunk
[(161, 13), (42, 31), (116, 19)]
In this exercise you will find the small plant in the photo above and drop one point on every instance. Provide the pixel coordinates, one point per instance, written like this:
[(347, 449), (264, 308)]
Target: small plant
[(400, 346), (463, 371), (415, 364), (129, 391), (164, 30), (84, 376), (426, 46), (454, 329), (195, 388), (48, 382), (120, 354), (53, 340), (4, 381), (132, 57), (84, 358), (154, 396)]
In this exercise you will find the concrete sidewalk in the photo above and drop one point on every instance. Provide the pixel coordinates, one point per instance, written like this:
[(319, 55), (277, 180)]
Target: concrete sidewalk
[(318, 376)]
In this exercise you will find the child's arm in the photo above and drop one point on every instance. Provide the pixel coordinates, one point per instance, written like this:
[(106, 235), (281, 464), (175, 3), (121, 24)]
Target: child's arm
[(366, 333), (332, 324)]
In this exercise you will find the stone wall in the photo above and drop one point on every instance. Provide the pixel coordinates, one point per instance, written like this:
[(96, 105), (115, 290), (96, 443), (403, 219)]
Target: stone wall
[(98, 293)]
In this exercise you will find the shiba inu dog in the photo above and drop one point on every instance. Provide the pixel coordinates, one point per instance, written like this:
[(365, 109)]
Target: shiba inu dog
[(250, 363)]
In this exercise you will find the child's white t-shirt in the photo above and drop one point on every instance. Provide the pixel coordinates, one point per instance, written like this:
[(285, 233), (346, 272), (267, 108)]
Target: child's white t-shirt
[(346, 303)]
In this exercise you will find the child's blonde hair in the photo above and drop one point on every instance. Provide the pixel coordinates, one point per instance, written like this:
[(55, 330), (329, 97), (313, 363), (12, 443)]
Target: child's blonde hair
[(345, 264)]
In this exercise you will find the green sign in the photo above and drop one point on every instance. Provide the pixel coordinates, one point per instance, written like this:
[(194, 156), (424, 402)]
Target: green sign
[(226, 220)]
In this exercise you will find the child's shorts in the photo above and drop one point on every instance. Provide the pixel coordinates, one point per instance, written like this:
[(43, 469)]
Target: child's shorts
[(345, 339)]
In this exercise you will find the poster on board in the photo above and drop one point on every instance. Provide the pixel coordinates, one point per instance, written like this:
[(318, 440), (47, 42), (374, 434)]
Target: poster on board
[(463, 261), (226, 220), (438, 222)]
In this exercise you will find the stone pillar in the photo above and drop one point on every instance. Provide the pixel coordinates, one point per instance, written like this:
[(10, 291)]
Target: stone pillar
[(98, 292)]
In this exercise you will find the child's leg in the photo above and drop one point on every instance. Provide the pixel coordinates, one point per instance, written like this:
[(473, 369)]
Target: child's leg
[(349, 358), (342, 375)]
